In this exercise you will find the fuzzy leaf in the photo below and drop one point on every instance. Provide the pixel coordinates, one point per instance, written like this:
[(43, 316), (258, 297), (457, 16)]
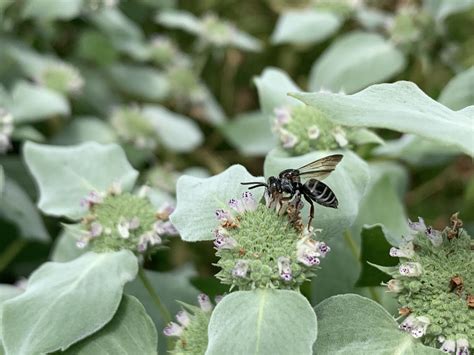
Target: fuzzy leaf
[(2, 182), (18, 208), (31, 103), (65, 248), (250, 133), (273, 86), (198, 199), (177, 132), (402, 107), (84, 129), (52, 9), (351, 324), (66, 302), (65, 175), (459, 92), (305, 27), (179, 19), (262, 322), (131, 331), (354, 62), (440, 9)]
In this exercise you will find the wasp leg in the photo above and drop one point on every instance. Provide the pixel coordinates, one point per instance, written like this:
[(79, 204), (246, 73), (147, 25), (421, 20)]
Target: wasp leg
[(311, 210)]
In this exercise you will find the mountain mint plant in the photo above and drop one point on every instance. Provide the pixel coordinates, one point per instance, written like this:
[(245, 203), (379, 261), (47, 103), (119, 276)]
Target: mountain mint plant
[(434, 284)]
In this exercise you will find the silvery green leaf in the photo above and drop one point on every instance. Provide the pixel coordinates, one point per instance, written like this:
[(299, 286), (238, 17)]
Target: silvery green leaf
[(387, 186), (263, 321), (66, 302), (250, 133), (305, 26), (27, 133), (141, 82), (84, 129), (8, 291), (198, 199), (245, 41), (440, 9), (65, 248), (28, 60), (417, 151), (172, 286), (65, 175), (51, 9), (177, 132), (349, 182), (372, 18), (179, 19), (30, 103), (364, 136), (402, 107), (354, 62), (212, 110), (17, 208), (131, 331), (351, 324), (273, 86), (459, 92), (2, 182)]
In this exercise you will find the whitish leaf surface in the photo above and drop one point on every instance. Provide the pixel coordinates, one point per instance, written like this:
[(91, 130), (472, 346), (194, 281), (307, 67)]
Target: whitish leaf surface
[(273, 87), (172, 286), (459, 92), (440, 9), (65, 175), (140, 82), (66, 302), (305, 26), (131, 331), (351, 324), (30, 103), (52, 9), (250, 133), (402, 107), (2, 182), (65, 248), (179, 19), (348, 181), (354, 62), (198, 199), (177, 132), (17, 207), (84, 129), (262, 322)]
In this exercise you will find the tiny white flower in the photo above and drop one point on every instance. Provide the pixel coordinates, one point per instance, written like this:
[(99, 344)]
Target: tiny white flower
[(420, 326), (248, 201), (448, 346), (410, 269), (406, 251), (134, 223), (240, 269), (417, 226), (462, 347), (123, 228), (183, 318), (435, 236), (408, 324), (340, 136), (236, 205), (205, 302), (95, 230), (313, 132), (173, 330), (282, 116), (223, 240), (288, 139), (284, 268), (394, 285)]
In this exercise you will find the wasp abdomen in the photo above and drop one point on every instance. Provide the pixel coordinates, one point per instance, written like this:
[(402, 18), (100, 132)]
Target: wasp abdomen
[(321, 193)]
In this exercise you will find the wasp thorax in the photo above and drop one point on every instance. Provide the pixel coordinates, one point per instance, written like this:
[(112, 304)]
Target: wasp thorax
[(434, 283), (265, 245), (117, 220)]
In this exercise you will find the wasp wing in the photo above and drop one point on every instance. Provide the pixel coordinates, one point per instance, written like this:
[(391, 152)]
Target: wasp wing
[(321, 168)]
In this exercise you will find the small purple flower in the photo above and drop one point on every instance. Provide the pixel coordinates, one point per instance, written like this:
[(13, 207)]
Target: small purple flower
[(282, 116), (417, 226), (95, 230), (83, 242), (149, 238), (323, 248), (288, 139), (165, 210), (92, 198), (406, 251), (165, 228), (410, 269), (435, 236), (224, 240), (420, 326), (205, 302), (183, 318), (249, 202), (173, 330), (236, 205), (134, 223), (240, 269), (313, 132), (408, 323), (448, 346), (284, 268), (307, 251), (223, 216), (462, 347), (218, 298), (394, 285)]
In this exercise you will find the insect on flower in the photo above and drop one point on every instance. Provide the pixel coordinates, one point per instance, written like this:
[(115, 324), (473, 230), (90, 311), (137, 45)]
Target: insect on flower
[(288, 186)]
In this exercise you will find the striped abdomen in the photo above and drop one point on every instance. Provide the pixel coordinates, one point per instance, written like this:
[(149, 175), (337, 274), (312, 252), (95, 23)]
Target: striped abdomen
[(321, 193)]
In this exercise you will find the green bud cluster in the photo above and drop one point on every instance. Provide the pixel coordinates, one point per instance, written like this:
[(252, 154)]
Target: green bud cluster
[(133, 127), (184, 84), (435, 283), (62, 77), (163, 51)]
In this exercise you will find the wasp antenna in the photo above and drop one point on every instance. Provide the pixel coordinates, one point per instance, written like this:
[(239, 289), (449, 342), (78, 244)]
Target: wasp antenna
[(255, 183)]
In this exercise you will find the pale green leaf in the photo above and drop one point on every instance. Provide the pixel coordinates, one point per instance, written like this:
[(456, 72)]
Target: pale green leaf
[(354, 62), (30, 103), (402, 107), (440, 9), (172, 286), (140, 82), (262, 322), (66, 302), (27, 133), (85, 129), (305, 26), (273, 86), (7, 292), (459, 92), (349, 182), (179, 19), (351, 324), (372, 18), (131, 331), (17, 208), (177, 132), (2, 182), (64, 248), (250, 133), (245, 41), (65, 175), (364, 136), (198, 199), (52, 9)]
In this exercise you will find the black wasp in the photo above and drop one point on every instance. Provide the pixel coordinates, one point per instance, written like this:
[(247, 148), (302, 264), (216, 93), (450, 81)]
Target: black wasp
[(313, 190)]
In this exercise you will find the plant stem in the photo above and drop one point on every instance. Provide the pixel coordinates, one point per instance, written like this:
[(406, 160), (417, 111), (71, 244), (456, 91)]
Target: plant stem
[(10, 252), (165, 314)]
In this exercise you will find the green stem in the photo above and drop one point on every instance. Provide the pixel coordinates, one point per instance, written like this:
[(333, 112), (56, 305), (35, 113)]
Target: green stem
[(165, 314), (10, 252)]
